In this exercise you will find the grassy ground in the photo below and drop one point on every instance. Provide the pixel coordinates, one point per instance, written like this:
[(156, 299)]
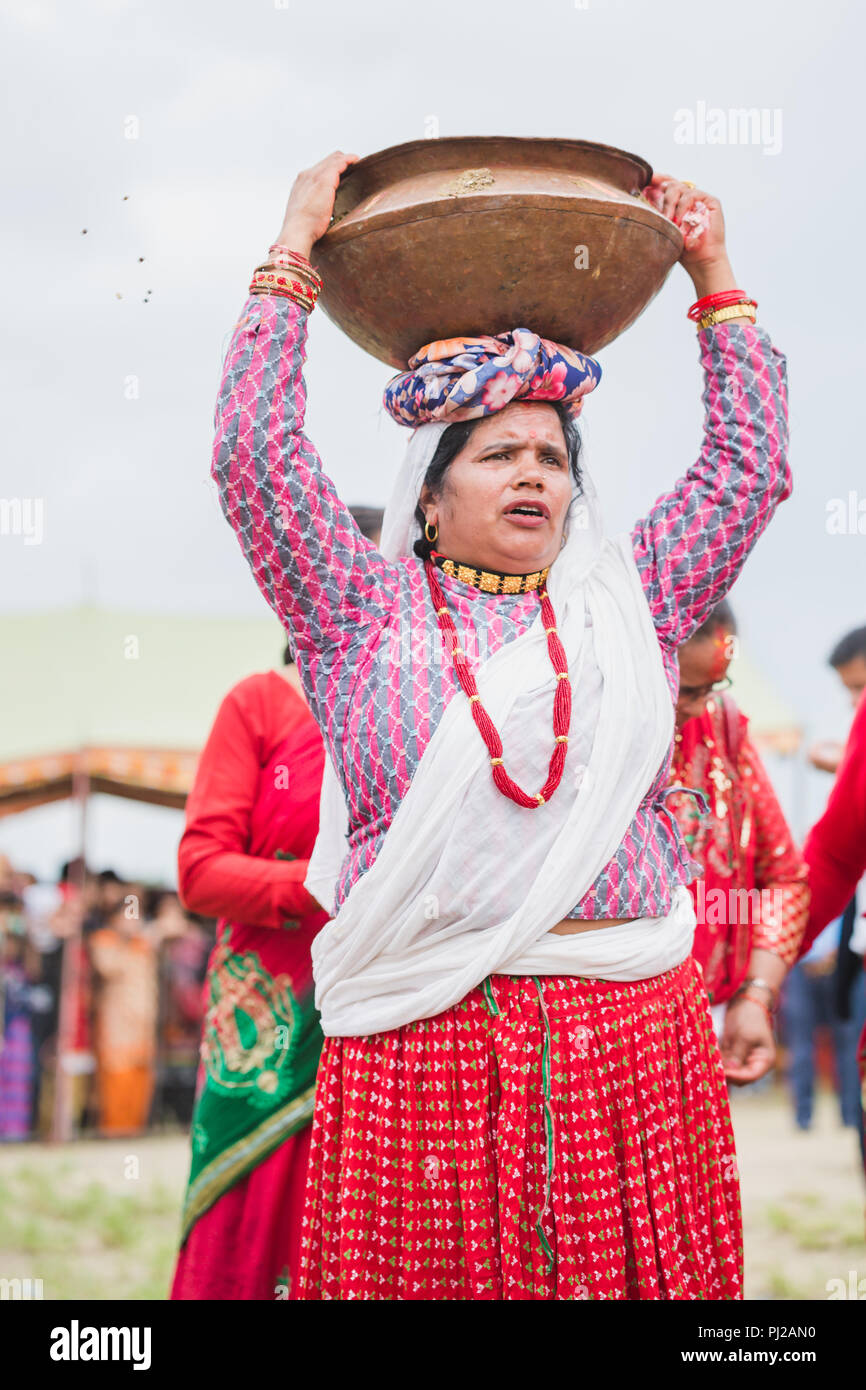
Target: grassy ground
[(804, 1198), (93, 1220), (99, 1220)]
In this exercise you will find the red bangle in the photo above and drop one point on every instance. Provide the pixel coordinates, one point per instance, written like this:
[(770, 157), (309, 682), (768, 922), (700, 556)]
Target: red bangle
[(720, 300), (725, 299)]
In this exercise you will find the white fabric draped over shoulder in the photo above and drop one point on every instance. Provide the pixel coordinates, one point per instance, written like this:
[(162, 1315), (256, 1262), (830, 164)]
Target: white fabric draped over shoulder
[(466, 883)]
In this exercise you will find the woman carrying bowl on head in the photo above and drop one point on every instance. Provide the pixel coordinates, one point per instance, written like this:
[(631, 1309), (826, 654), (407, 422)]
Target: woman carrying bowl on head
[(520, 1094)]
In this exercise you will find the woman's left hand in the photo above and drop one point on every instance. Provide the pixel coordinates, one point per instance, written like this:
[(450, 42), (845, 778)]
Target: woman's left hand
[(697, 214), (699, 217), (747, 1046)]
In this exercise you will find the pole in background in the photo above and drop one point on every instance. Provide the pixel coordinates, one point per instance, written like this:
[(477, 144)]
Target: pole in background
[(70, 975)]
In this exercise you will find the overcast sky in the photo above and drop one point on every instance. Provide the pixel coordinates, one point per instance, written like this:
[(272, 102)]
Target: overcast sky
[(230, 98)]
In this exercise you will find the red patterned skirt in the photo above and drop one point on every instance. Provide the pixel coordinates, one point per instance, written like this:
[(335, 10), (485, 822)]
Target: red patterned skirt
[(550, 1138)]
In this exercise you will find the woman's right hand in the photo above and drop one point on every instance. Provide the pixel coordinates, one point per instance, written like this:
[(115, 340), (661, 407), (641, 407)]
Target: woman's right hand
[(311, 202), (747, 1045)]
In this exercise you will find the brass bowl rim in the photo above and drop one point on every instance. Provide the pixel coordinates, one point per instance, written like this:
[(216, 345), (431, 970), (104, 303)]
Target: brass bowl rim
[(345, 230), (453, 144)]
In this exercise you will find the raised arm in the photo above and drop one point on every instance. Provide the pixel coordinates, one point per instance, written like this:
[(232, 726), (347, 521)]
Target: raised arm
[(693, 543), (325, 581)]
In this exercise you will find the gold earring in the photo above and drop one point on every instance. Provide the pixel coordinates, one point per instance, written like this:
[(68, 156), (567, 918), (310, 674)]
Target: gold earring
[(427, 529)]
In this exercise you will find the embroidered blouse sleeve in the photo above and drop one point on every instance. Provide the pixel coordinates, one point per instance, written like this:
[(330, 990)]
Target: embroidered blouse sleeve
[(693, 543), (324, 580), (835, 847), (217, 876), (780, 869)]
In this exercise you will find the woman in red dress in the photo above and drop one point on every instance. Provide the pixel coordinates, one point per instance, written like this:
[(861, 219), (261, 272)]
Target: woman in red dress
[(753, 899), (251, 822)]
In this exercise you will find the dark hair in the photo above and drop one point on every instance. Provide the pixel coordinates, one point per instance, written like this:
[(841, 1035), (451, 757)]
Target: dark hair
[(852, 645), (368, 521), (73, 868), (722, 616), (152, 900), (455, 438)]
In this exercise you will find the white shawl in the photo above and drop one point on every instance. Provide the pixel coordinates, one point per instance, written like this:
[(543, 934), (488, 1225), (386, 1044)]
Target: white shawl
[(465, 881)]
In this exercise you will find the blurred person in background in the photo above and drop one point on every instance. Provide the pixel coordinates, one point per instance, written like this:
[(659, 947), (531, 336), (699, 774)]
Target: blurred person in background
[(110, 892), (744, 945), (182, 967), (251, 823), (17, 1062), (848, 660), (64, 962), (41, 901), (124, 957), (809, 1002), (835, 851), (843, 999)]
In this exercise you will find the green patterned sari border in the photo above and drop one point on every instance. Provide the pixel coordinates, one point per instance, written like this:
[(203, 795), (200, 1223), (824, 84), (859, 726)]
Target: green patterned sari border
[(240, 1158)]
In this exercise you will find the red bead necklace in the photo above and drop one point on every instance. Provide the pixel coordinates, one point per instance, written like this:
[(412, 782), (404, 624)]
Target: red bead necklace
[(486, 727)]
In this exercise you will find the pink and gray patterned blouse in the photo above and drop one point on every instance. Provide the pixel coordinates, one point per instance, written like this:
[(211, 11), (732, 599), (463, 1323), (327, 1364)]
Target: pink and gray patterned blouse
[(367, 639)]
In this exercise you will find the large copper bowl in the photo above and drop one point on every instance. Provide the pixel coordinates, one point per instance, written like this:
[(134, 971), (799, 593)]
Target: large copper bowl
[(481, 234)]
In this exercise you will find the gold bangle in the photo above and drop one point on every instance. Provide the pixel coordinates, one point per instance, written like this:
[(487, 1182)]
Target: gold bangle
[(733, 311), (301, 272), (286, 286), (265, 276), (308, 305)]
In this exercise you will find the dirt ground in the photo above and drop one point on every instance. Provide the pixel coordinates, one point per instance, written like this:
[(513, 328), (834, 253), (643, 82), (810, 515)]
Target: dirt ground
[(97, 1220), (804, 1197)]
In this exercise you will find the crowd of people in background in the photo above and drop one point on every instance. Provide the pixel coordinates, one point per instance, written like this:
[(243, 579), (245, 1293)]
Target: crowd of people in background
[(133, 963)]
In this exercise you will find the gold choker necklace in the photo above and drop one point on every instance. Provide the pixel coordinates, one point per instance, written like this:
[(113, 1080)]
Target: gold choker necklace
[(488, 581)]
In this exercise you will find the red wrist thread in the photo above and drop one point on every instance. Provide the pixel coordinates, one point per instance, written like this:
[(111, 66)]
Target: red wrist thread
[(744, 994)]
